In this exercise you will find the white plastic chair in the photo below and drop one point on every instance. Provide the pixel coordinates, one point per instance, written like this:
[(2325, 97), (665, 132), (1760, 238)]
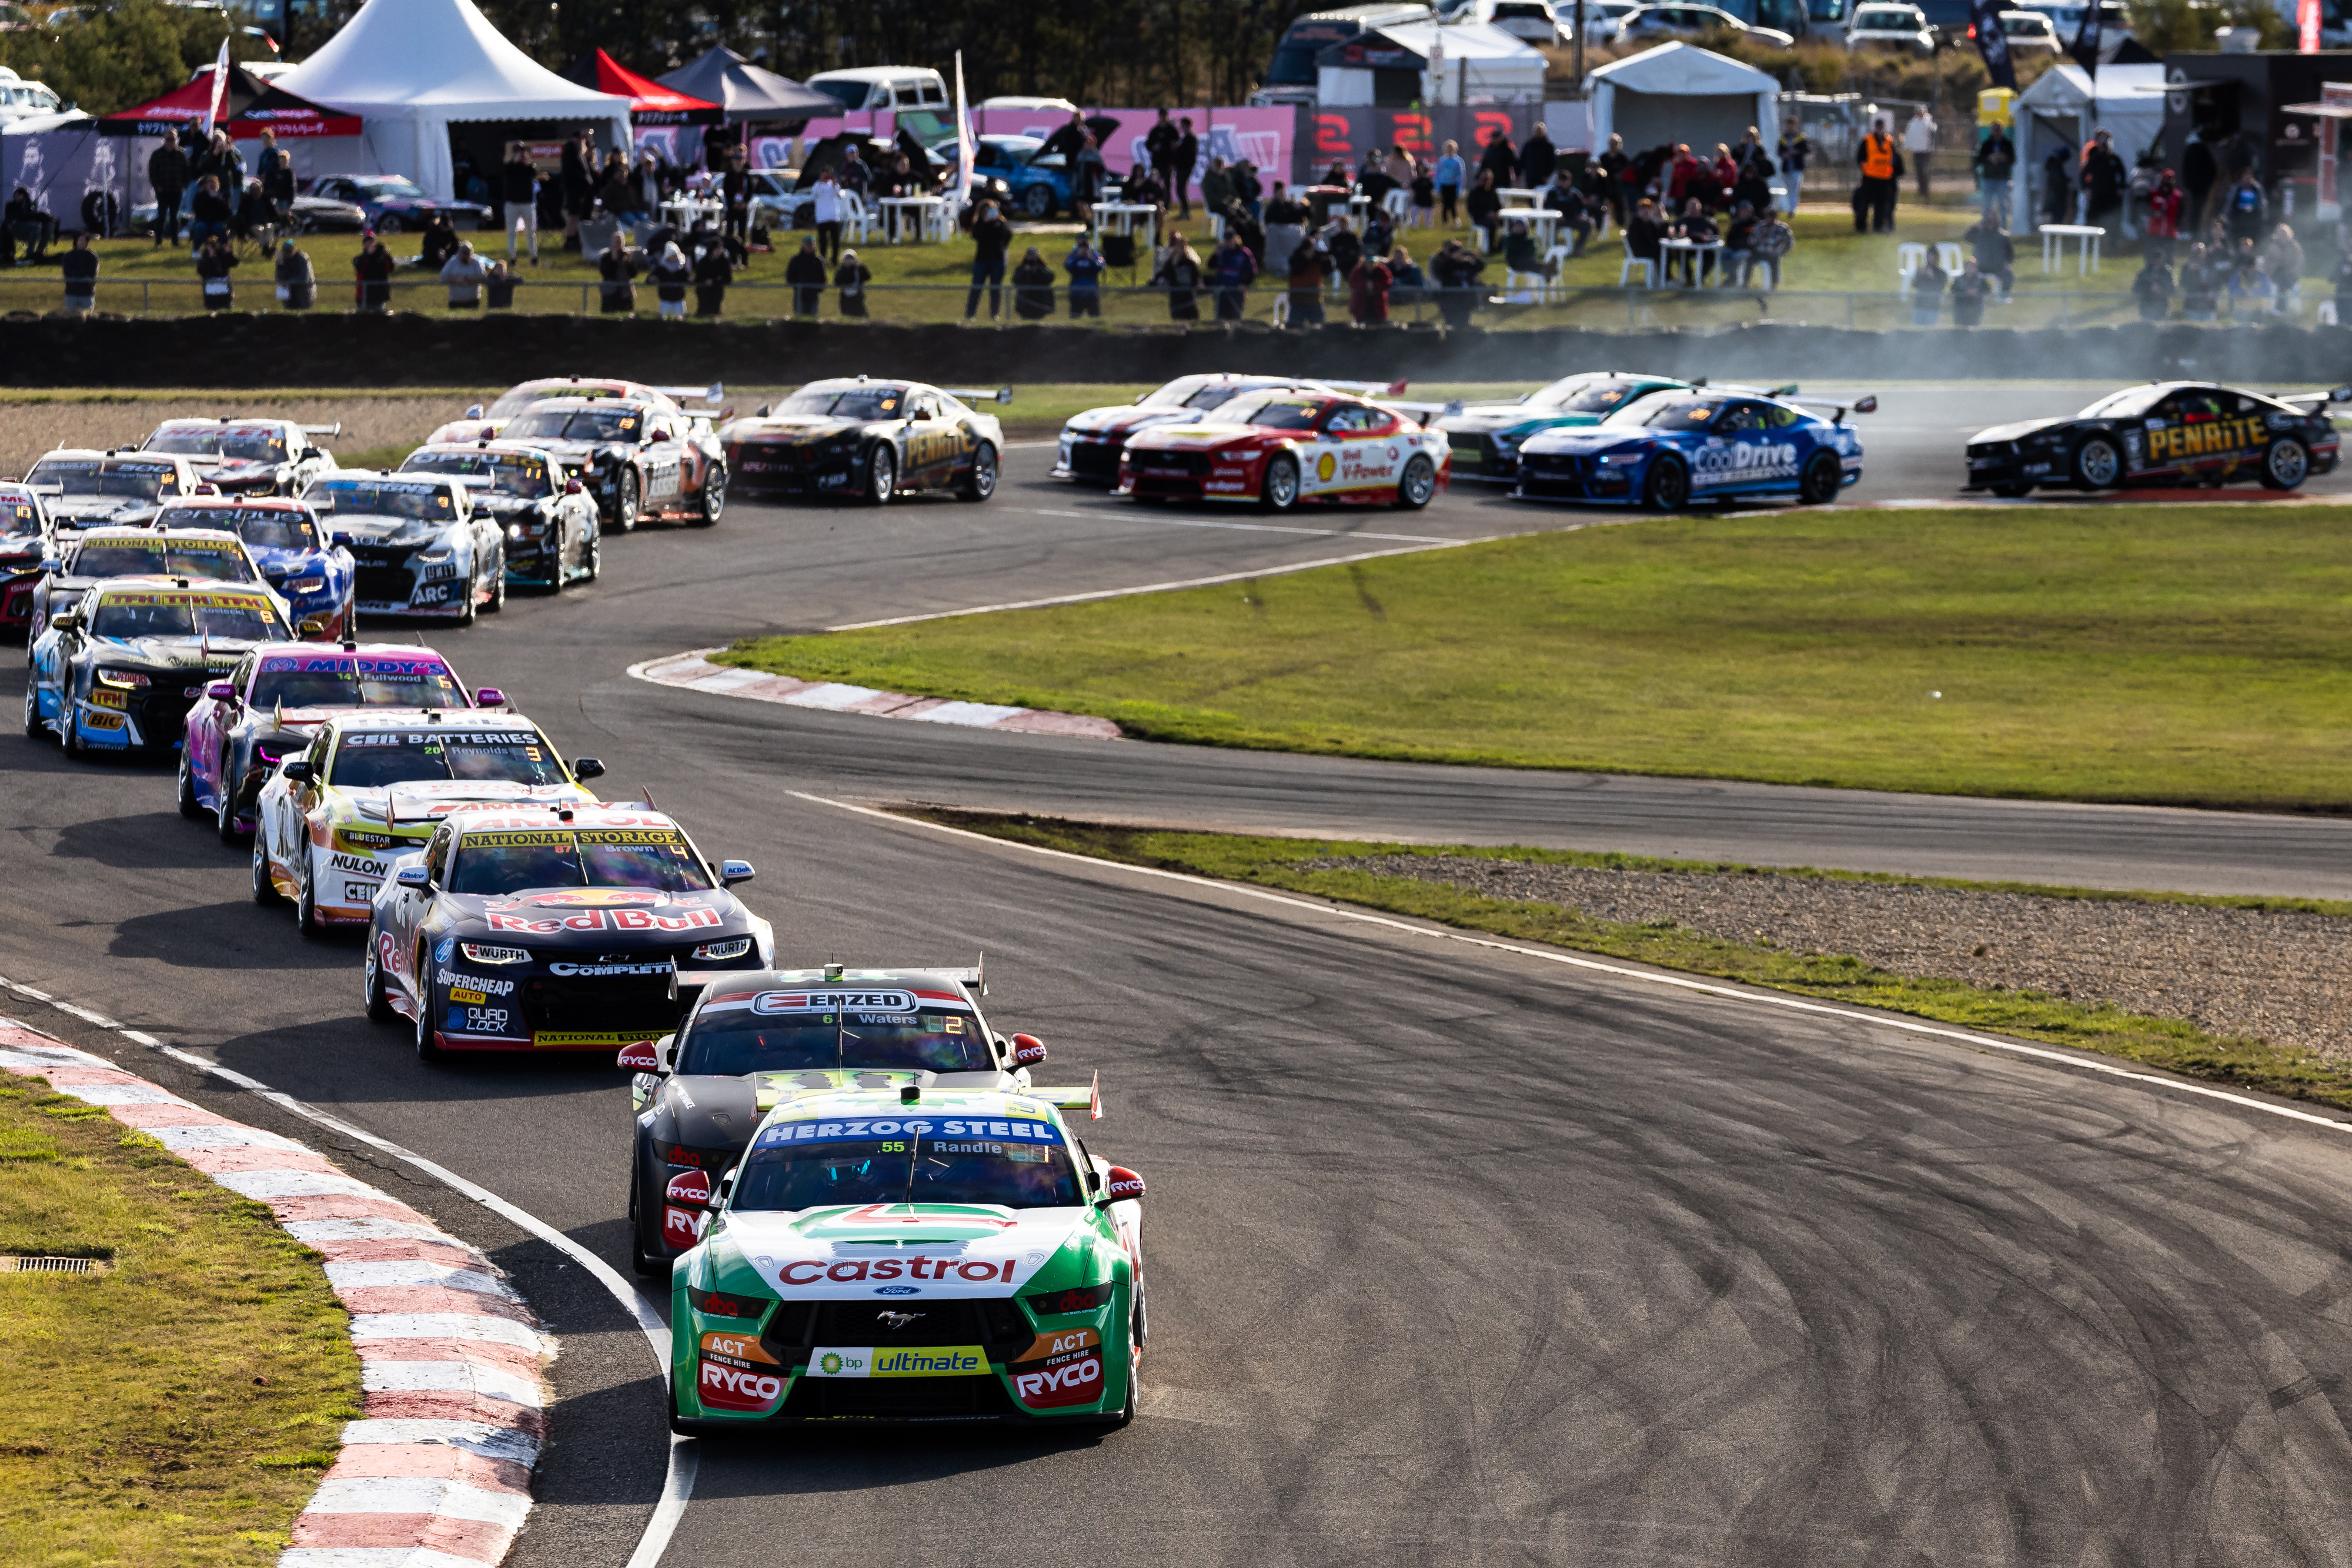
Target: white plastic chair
[(1910, 257), (1217, 227), (1649, 268), (1399, 204), (1947, 257), (856, 222), (2326, 314)]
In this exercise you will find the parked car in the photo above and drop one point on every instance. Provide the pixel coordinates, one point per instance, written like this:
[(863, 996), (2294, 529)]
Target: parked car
[(392, 203), (21, 99), (1034, 181), (895, 87), (2026, 30), (1694, 21), (1891, 27), (1536, 21)]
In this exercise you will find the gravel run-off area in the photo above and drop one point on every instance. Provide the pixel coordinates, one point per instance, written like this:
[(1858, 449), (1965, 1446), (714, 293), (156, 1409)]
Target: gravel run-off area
[(29, 428), (2279, 975)]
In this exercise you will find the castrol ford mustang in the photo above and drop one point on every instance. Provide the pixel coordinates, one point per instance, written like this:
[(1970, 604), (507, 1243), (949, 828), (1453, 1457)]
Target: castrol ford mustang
[(754, 1041), (553, 928), (332, 818), (914, 1255), (1278, 449), (1667, 451)]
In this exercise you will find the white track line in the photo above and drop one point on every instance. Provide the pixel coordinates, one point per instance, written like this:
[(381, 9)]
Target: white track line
[(1676, 982), (1121, 514)]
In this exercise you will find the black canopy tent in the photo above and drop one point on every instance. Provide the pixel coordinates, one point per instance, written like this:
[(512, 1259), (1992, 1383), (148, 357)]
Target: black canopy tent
[(748, 93)]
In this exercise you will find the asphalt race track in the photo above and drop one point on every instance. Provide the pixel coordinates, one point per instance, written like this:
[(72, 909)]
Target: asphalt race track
[(1456, 1255)]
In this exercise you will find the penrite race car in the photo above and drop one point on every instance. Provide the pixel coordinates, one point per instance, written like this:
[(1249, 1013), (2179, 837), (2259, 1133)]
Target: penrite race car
[(480, 423), (1093, 442), (99, 555), (1281, 448), (274, 701), (120, 669), (315, 577), (421, 544), (916, 1255), (116, 485), (2180, 432), (1487, 436), (756, 1039), (28, 539), (1674, 447), (639, 457), (553, 534), (367, 788), (553, 927), (870, 439), (247, 456)]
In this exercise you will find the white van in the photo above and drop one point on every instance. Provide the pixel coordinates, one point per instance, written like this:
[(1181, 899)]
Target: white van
[(898, 88)]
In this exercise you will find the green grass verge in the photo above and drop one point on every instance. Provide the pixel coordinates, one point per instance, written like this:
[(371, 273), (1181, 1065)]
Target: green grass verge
[(2180, 655), (2171, 1044), (179, 1408)]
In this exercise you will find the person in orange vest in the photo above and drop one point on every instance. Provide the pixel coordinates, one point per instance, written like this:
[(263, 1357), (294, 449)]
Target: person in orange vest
[(1882, 172)]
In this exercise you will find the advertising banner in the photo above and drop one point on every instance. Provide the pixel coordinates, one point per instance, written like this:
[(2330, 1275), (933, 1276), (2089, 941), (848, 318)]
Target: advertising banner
[(1345, 135)]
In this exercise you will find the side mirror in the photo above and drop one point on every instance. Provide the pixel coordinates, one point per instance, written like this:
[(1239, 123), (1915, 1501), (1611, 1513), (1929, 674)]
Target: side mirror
[(341, 541), (583, 766), (414, 876), (488, 696), (1028, 1051), (474, 411), (1867, 406), (572, 486), (65, 620), (1121, 1184), (312, 454), (732, 872), (2341, 394), (642, 1057), (297, 772), (221, 692), (313, 627)]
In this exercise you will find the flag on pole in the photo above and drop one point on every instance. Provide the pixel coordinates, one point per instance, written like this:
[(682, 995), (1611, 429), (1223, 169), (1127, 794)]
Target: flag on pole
[(2085, 49), (964, 149), (220, 89), (1992, 43), (2308, 27)]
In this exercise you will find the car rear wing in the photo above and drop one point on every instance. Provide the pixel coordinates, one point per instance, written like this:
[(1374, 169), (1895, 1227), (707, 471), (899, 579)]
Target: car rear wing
[(979, 394), (1424, 412), (2320, 399), (334, 429), (1087, 1098), (1382, 390), (712, 394), (1844, 402)]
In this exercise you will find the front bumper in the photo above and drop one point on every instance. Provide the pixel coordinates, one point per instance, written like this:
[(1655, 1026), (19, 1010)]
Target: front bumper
[(2012, 463), (149, 717), (16, 599), (1573, 476), (1089, 459), (796, 471), (532, 1007), (394, 582), (1189, 475), (1478, 457)]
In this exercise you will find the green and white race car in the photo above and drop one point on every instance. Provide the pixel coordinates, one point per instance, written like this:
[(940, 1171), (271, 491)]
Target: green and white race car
[(1486, 437), (913, 1255)]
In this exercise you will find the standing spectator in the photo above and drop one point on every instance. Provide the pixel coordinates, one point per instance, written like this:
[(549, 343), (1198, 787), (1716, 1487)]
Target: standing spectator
[(2283, 265), (2247, 208), (2200, 284), (1086, 180), (223, 161), (1501, 158), (1424, 198), (1180, 273), (1188, 158), (2105, 178), (464, 272), (1032, 286), (276, 172), (648, 181), (1753, 183), (498, 287), (618, 268), (440, 242), (1455, 269), (167, 171), (990, 237), (1160, 148), (1796, 151), (81, 268), (1084, 268), (1068, 138), (2198, 174), (1537, 157), (1285, 225), (1340, 242), (1483, 205), (714, 272), (735, 199), (1448, 176), (1231, 269), (518, 184), (1721, 177), (1738, 244), (2058, 185), (1995, 161), (2165, 206), (298, 284), (1873, 195), (806, 273), (850, 277), (824, 205), (1995, 252), (1968, 291), (1686, 178), (1369, 282), (2153, 287), (1919, 139), (579, 154), (1310, 266), (1247, 189), (1612, 165), (209, 213), (371, 275), (1927, 290), (671, 273), (212, 264)]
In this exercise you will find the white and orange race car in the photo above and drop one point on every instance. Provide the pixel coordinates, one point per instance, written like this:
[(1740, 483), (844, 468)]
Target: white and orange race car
[(480, 423), (1280, 448)]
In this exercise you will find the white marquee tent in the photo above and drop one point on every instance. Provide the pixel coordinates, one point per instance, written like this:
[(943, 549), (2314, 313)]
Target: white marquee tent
[(411, 68), (2060, 109), (1680, 93)]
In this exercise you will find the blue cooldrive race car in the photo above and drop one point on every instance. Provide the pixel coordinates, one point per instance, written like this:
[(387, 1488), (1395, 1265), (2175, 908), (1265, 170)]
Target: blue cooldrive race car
[(1720, 443)]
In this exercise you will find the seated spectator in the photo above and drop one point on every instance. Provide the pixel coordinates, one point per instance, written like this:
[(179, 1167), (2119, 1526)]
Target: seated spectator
[(1455, 270), (1033, 288), (1483, 205), (1771, 239), (1643, 230), (1995, 252), (463, 272), (1968, 291), (1345, 249), (1521, 254), (1367, 291), (1928, 291), (1738, 243), (2153, 287), (498, 287), (257, 214), (2251, 294), (209, 213), (1380, 233), (440, 243), (1247, 191)]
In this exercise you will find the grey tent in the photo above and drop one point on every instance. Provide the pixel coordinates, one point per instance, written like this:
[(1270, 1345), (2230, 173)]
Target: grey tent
[(724, 77)]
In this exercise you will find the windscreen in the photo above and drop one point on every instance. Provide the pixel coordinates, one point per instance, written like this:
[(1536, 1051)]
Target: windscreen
[(375, 186), (166, 614), (619, 424), (855, 403), (1275, 412), (2130, 403), (513, 402), (263, 529), (426, 499), (111, 477), (849, 94), (1011, 1163), (793, 1032), (346, 680), (254, 443), (511, 473), (1183, 392), (512, 861), (19, 515), (162, 554), (1580, 396), (1668, 414), (372, 759)]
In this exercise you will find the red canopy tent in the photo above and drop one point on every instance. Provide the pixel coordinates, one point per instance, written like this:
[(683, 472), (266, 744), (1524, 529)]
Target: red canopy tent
[(650, 103), (185, 105), (290, 117)]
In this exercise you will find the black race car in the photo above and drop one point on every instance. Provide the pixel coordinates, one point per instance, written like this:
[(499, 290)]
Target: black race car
[(869, 439), (557, 926), (2180, 433), (755, 1038)]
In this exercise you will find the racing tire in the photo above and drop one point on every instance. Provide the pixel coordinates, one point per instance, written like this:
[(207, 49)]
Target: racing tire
[(225, 816), (265, 891), (645, 1264), (1278, 491), (68, 730), (189, 807), (1667, 486), (561, 578), (1417, 485), (2097, 464), (379, 999), (714, 500), (498, 599), (2286, 463), (425, 1049), (881, 476), (1037, 201), (2011, 492), (982, 483), (1818, 485), (592, 564), (34, 728), (306, 911), (630, 500)]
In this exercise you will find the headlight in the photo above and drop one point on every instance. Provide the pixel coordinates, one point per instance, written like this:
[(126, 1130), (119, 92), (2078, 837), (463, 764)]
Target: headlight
[(305, 585), (734, 949), (478, 954), (127, 679), (435, 557), (1616, 457)]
